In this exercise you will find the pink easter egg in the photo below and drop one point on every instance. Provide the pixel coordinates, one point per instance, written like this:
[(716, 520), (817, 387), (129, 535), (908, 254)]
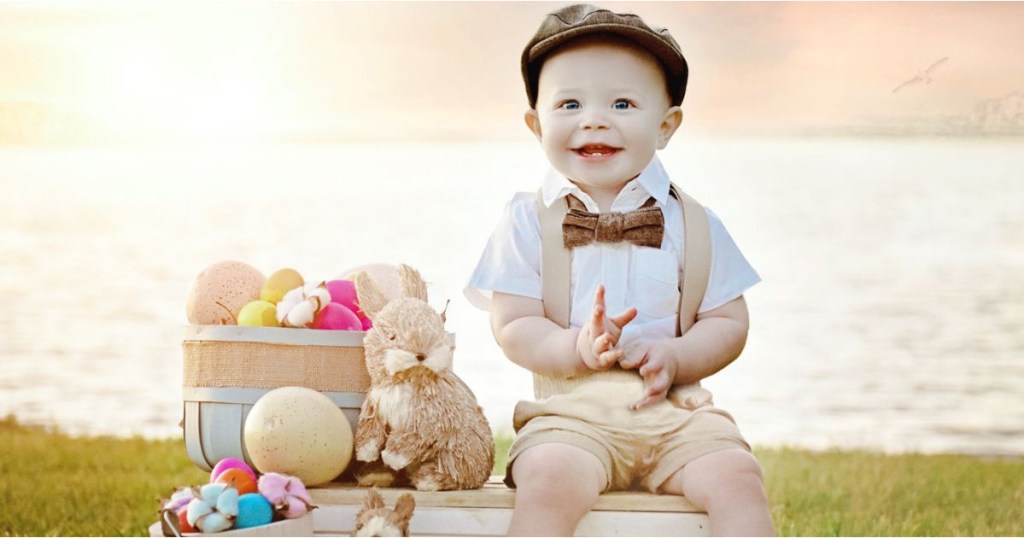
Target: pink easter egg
[(367, 324), (230, 463), (343, 292), (336, 317)]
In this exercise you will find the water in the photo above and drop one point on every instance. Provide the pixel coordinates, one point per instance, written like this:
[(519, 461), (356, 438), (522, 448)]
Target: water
[(890, 316)]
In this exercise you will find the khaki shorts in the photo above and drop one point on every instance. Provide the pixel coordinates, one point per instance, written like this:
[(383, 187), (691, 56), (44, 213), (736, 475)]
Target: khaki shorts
[(638, 449)]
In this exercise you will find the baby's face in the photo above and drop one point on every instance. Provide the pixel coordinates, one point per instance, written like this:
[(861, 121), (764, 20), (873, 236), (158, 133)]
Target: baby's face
[(602, 111)]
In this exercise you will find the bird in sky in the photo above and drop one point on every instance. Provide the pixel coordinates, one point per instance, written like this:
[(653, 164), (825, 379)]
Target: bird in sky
[(923, 76)]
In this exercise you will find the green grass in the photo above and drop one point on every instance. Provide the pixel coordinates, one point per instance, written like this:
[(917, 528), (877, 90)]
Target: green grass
[(52, 484), (838, 493)]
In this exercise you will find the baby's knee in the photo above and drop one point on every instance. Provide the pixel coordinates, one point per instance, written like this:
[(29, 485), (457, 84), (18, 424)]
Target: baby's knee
[(558, 471), (742, 475), (724, 476)]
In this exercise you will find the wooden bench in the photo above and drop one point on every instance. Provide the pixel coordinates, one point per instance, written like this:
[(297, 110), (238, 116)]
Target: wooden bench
[(487, 512)]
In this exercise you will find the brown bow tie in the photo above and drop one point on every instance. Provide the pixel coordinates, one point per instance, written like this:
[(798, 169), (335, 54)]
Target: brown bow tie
[(643, 227)]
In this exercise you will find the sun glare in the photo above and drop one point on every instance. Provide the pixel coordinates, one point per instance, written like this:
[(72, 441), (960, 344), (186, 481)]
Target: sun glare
[(180, 85)]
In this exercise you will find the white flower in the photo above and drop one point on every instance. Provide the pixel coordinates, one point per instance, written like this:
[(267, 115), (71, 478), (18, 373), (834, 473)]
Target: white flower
[(299, 306)]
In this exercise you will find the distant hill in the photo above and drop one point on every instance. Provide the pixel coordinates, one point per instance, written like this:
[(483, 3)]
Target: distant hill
[(25, 122), (1002, 116)]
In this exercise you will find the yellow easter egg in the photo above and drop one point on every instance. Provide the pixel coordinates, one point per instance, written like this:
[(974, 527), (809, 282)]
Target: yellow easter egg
[(258, 314), (219, 292), (299, 432), (279, 283)]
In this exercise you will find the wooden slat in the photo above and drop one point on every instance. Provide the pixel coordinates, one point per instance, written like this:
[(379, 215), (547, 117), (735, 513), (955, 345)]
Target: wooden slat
[(339, 520), (495, 495)]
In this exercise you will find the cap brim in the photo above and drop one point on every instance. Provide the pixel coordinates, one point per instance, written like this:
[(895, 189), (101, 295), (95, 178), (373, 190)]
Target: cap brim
[(673, 61)]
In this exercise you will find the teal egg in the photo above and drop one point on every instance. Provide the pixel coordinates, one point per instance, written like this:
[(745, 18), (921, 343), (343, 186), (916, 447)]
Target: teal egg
[(253, 510)]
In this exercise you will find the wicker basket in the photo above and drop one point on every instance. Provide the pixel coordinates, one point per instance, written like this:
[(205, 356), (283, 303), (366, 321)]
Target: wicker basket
[(228, 368), (302, 526)]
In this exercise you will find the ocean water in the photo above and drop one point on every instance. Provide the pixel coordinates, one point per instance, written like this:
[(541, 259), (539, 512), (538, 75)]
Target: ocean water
[(891, 315)]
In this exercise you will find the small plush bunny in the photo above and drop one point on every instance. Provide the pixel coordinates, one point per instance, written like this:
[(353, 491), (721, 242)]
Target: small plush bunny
[(418, 417), (374, 518)]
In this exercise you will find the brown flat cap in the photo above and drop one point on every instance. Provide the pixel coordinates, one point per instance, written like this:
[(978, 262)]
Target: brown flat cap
[(579, 20)]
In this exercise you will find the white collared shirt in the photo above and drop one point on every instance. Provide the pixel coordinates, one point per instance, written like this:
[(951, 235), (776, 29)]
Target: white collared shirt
[(647, 278)]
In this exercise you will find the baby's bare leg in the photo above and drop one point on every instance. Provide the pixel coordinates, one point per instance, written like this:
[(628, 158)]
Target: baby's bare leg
[(556, 485), (728, 485)]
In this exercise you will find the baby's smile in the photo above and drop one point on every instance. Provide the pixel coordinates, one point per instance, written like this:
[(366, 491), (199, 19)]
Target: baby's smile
[(596, 151)]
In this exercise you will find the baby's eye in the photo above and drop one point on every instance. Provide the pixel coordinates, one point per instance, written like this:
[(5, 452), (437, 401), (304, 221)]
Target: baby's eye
[(570, 104), (622, 104)]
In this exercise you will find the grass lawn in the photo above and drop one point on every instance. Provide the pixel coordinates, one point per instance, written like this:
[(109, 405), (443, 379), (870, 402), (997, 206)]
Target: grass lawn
[(52, 484)]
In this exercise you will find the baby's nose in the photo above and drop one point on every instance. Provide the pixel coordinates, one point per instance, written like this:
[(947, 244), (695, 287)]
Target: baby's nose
[(593, 121)]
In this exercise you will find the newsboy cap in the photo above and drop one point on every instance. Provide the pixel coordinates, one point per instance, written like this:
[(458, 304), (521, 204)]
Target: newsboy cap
[(578, 20)]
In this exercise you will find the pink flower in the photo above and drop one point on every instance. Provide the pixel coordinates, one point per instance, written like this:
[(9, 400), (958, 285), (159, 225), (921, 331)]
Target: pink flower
[(287, 494)]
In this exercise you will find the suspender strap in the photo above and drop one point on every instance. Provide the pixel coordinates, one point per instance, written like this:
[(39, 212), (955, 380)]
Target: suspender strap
[(696, 266), (556, 260)]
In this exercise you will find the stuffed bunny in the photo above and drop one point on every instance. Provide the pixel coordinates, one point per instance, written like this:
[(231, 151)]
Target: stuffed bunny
[(418, 417), (375, 519)]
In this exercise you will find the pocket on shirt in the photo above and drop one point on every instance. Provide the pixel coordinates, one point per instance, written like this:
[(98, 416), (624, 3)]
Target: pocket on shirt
[(657, 281)]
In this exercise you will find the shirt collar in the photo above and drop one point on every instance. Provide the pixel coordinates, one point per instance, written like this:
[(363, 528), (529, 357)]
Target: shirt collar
[(652, 182)]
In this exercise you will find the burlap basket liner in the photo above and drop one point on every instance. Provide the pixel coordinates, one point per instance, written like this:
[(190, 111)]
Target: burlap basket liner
[(271, 357)]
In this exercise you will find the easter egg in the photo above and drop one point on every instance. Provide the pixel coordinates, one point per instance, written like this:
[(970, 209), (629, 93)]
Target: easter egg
[(343, 292), (253, 510), (219, 292), (279, 283), (385, 275), (230, 463), (337, 318), (183, 524), (238, 479), (298, 431), (258, 314)]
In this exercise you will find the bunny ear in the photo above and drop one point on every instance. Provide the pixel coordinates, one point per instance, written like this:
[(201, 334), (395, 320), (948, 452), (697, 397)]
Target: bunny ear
[(444, 313), (404, 506), (412, 283), (371, 299), (373, 500)]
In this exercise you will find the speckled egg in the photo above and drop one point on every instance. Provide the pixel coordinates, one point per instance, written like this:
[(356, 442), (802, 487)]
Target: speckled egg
[(220, 291), (384, 274), (299, 432)]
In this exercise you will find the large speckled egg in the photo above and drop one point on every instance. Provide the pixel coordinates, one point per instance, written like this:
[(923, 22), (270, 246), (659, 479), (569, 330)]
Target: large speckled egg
[(299, 432), (220, 291), (384, 274)]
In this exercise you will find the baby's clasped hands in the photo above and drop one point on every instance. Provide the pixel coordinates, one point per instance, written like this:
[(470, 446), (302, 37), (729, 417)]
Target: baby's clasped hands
[(597, 344)]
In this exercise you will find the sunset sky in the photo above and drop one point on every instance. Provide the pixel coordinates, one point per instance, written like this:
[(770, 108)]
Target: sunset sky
[(451, 70)]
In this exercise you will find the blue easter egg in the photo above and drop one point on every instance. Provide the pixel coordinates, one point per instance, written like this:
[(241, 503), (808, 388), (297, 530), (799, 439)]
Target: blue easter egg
[(253, 510)]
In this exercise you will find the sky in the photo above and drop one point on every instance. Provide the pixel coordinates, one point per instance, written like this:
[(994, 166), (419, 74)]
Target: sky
[(360, 70)]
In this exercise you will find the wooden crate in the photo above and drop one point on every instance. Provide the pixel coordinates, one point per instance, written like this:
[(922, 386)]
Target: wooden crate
[(227, 368), (487, 512)]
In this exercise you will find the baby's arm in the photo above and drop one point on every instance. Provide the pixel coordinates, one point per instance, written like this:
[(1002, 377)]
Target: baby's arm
[(714, 341), (536, 343)]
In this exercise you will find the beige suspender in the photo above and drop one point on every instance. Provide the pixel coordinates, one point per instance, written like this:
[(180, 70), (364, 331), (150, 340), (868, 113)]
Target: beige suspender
[(556, 261)]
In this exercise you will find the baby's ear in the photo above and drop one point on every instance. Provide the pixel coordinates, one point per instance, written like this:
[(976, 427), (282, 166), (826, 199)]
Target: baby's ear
[(371, 299), (670, 122), (533, 122), (404, 506), (412, 283)]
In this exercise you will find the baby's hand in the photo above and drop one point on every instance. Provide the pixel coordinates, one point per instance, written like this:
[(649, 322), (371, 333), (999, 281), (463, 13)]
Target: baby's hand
[(657, 365), (597, 341)]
